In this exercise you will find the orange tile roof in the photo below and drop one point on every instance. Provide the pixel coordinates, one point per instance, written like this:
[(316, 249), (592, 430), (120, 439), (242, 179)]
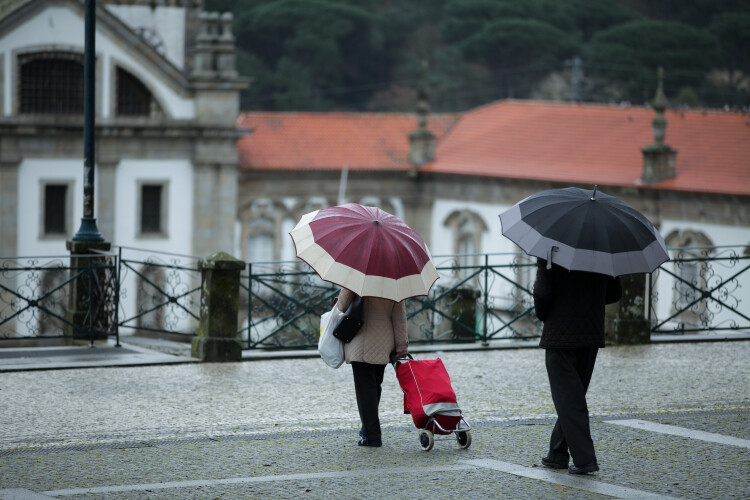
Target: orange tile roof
[(329, 141), (596, 144), (568, 143)]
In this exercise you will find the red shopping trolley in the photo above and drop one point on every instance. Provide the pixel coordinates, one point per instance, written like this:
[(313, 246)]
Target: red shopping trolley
[(429, 398)]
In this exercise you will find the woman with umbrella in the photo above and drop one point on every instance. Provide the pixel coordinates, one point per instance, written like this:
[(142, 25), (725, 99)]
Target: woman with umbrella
[(373, 254), (583, 243)]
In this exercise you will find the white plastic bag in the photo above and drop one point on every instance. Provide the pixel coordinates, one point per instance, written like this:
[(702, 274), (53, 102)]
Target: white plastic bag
[(330, 348)]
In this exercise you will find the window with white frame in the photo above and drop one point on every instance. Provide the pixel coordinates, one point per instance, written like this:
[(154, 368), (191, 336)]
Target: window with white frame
[(56, 209), (152, 208)]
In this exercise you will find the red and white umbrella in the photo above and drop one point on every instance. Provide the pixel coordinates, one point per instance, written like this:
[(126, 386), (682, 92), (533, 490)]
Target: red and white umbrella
[(366, 250)]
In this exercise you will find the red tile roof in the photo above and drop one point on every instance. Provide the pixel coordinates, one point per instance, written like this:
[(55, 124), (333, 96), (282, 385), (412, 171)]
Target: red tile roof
[(568, 143), (329, 141)]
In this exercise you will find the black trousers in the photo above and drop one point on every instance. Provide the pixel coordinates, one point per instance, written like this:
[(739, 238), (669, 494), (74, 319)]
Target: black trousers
[(569, 372), (368, 380)]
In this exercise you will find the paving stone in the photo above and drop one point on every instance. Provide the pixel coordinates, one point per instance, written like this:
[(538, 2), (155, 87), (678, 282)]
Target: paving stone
[(106, 427)]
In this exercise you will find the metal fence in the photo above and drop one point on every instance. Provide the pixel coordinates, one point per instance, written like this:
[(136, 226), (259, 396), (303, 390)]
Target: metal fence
[(35, 297), (702, 289), (478, 298), (159, 293)]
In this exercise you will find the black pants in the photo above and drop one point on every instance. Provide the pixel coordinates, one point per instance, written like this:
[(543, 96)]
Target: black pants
[(569, 372), (368, 380)]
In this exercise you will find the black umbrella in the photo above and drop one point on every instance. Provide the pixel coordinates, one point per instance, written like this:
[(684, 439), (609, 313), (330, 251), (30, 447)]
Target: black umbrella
[(584, 230)]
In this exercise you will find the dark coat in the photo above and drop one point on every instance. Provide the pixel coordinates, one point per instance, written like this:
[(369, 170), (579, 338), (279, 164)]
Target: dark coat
[(571, 304)]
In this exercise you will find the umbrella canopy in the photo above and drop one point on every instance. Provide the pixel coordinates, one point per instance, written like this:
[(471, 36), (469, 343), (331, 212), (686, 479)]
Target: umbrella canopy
[(366, 250), (584, 230)]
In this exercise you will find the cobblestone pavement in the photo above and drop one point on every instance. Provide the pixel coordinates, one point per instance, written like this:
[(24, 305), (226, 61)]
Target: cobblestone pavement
[(668, 420)]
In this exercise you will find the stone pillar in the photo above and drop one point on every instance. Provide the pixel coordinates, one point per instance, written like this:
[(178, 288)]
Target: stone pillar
[(83, 300), (626, 321), (215, 206), (218, 338), (462, 310), (106, 171), (8, 206)]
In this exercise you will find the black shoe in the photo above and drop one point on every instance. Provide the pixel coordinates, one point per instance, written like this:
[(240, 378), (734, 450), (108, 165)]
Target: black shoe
[(361, 433), (584, 469), (377, 443), (552, 464)]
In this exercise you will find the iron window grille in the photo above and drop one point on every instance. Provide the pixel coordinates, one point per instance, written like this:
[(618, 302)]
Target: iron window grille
[(133, 97), (51, 82)]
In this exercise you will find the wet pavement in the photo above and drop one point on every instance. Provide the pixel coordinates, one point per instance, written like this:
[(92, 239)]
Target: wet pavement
[(668, 420)]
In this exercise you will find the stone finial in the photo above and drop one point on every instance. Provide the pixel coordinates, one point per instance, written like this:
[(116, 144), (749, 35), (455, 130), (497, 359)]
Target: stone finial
[(659, 159), (226, 52), (226, 27), (421, 140), (204, 64), (660, 105)]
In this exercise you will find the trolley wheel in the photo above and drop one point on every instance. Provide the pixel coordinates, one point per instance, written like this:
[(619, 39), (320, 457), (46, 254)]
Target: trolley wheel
[(463, 438), (426, 439)]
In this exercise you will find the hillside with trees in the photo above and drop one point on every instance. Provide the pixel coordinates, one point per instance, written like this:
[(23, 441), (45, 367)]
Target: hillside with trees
[(359, 55)]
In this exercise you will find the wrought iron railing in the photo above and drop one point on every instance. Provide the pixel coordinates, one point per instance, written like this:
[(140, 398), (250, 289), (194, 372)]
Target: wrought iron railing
[(36, 297), (702, 289), (479, 297), (159, 292)]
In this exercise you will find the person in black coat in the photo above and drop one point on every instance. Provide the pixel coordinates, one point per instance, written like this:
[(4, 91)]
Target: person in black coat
[(571, 305)]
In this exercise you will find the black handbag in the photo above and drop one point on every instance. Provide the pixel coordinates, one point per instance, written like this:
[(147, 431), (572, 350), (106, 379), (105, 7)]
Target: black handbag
[(354, 318)]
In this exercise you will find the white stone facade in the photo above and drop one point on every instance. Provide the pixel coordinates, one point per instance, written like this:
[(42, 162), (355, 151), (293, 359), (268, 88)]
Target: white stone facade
[(166, 142)]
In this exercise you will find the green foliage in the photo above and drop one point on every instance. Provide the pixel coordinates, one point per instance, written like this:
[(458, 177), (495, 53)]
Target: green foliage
[(367, 54), (732, 30), (630, 54)]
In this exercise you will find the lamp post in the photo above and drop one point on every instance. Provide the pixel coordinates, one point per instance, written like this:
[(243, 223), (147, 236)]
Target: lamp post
[(88, 230), (87, 312)]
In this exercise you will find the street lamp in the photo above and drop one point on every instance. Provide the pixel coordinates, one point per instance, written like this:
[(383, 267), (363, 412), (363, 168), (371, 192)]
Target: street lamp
[(88, 230)]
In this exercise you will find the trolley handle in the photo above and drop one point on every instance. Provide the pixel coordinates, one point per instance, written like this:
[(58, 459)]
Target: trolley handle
[(394, 360)]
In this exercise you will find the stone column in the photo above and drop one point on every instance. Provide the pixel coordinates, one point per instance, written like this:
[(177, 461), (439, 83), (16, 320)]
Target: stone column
[(218, 338), (8, 207), (626, 321), (105, 197)]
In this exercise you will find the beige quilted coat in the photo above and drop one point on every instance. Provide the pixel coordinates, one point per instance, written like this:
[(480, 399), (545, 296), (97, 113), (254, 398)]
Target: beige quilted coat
[(383, 332)]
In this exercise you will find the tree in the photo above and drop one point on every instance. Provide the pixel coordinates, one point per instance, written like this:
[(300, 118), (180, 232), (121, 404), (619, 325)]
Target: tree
[(317, 50), (626, 57), (733, 33), (520, 50)]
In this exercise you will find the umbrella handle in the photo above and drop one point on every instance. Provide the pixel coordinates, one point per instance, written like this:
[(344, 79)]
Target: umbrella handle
[(553, 248)]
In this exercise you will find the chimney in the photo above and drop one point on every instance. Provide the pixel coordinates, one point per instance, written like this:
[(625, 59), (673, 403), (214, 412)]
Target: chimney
[(658, 157), (421, 140)]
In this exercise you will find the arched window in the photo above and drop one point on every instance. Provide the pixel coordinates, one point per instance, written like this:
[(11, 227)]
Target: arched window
[(467, 228), (689, 267), (133, 97), (260, 246), (50, 82)]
